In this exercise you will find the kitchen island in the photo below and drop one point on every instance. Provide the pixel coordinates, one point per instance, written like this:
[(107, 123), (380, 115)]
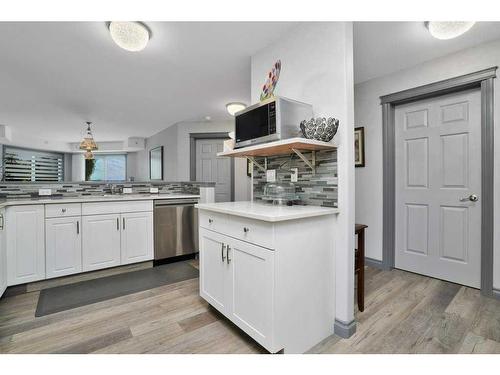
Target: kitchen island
[(270, 270)]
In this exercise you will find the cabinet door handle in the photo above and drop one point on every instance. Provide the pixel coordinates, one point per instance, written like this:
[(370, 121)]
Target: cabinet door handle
[(77, 227), (222, 252), (1, 222), (227, 254), (63, 210), (123, 223), (210, 221), (117, 223), (246, 230)]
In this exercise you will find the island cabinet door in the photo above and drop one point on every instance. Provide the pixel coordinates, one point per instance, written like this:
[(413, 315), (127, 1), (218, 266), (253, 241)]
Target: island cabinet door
[(136, 237), (3, 254), (101, 241), (25, 240), (214, 270), (252, 274), (63, 246)]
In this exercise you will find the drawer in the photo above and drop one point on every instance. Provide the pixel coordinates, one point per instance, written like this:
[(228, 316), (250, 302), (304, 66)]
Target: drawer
[(101, 208), (63, 209), (254, 231), (213, 221)]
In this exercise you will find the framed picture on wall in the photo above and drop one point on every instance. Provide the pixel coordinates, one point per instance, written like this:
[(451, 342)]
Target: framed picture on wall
[(359, 146), (156, 163)]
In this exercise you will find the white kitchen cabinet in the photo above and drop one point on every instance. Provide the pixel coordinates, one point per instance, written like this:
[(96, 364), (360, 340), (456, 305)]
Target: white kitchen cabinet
[(252, 289), (237, 278), (101, 241), (3, 254), (215, 278), (25, 240), (274, 279), (136, 237), (63, 246)]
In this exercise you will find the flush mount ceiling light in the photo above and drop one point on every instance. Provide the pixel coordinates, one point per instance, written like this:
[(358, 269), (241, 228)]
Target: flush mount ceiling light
[(131, 36), (234, 107), (448, 30)]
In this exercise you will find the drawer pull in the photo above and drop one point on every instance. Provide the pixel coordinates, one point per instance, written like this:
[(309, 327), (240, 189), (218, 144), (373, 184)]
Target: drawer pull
[(210, 221), (222, 252), (63, 210), (246, 230), (77, 227)]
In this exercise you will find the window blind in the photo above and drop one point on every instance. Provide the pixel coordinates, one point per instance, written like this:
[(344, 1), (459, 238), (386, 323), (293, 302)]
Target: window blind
[(30, 165)]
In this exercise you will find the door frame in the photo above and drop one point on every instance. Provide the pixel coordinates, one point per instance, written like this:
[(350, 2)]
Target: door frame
[(482, 79), (192, 154)]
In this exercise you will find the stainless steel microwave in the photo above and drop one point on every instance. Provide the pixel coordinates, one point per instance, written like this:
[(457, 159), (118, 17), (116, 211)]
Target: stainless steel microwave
[(270, 120)]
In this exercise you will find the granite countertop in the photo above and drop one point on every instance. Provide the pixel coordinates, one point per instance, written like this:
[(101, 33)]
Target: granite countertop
[(267, 212), (92, 198)]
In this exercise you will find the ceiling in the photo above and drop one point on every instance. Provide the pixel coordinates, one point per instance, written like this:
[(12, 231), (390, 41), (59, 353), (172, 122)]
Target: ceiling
[(381, 48), (54, 76)]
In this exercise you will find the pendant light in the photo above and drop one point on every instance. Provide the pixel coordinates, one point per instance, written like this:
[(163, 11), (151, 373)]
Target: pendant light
[(88, 142)]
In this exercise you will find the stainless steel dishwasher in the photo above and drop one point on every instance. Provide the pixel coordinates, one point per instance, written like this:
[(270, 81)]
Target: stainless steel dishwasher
[(175, 230)]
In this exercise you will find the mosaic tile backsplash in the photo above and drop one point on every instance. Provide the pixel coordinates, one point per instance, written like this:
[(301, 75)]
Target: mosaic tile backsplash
[(318, 189), (75, 189)]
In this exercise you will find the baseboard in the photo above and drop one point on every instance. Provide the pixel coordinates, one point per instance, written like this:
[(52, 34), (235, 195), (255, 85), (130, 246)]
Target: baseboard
[(496, 294), (374, 263), (343, 329)]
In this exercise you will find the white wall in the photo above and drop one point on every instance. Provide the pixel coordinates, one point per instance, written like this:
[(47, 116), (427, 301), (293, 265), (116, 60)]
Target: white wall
[(368, 113), (317, 69), (176, 154)]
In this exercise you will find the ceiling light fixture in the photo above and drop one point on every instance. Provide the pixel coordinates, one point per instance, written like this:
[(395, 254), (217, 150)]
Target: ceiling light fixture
[(448, 30), (234, 107), (131, 36)]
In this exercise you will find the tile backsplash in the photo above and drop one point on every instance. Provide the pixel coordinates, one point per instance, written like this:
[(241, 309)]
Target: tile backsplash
[(319, 189), (74, 189)]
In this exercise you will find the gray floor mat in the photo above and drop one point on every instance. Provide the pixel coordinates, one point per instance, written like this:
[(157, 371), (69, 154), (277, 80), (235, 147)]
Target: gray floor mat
[(83, 293)]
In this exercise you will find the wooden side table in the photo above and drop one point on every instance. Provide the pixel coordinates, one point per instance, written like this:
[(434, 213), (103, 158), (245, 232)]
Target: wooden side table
[(359, 264)]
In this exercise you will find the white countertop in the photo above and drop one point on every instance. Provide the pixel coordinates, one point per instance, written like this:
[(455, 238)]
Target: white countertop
[(95, 198), (267, 212)]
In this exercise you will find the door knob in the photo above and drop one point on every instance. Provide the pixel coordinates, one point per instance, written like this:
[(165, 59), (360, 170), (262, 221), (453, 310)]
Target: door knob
[(472, 198)]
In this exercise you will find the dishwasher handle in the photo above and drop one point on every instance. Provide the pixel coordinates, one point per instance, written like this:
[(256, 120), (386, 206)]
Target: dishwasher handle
[(175, 202)]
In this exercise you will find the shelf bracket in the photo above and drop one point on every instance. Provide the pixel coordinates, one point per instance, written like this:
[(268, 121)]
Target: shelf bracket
[(311, 164), (263, 168)]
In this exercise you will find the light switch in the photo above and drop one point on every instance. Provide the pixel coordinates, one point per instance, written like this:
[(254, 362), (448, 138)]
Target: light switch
[(294, 173), (271, 175), (44, 191)]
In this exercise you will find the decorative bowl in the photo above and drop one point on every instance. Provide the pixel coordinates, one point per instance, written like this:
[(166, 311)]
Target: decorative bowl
[(320, 129)]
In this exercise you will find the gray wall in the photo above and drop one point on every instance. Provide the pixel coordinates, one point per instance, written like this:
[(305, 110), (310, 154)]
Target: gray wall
[(368, 113), (176, 156)]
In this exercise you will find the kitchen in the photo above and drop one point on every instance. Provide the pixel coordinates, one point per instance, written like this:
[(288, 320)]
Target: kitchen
[(98, 212)]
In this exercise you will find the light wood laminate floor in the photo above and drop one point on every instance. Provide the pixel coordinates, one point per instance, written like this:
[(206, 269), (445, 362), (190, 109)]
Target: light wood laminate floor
[(404, 313)]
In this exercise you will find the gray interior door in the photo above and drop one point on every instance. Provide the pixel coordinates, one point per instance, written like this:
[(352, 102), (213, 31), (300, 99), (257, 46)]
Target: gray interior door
[(438, 177), (210, 168)]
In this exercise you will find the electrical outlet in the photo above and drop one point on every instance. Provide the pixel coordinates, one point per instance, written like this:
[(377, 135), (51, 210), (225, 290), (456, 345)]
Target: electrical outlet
[(294, 173), (153, 190), (44, 191), (271, 175)]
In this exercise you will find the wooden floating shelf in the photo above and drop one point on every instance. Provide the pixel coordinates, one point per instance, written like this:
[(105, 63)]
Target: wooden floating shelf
[(283, 147)]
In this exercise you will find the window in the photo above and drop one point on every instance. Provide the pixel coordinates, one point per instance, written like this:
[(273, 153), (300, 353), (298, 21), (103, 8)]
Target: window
[(31, 165), (111, 167)]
